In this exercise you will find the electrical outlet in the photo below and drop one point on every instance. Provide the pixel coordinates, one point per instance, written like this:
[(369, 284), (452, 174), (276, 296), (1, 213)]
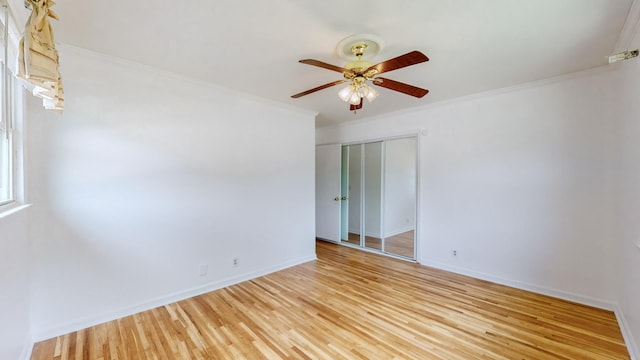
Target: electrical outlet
[(454, 252), (236, 262), (204, 268)]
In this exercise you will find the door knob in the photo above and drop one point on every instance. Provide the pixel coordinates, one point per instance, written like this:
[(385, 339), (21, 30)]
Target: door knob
[(344, 198), (337, 198)]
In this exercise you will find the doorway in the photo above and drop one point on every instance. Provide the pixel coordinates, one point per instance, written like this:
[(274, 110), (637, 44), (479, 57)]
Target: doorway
[(378, 196)]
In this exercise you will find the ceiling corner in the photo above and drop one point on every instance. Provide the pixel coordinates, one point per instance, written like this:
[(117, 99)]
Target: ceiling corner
[(630, 29)]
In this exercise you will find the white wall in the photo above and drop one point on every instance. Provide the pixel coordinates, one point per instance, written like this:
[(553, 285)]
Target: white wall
[(627, 114), (517, 181), (14, 285), (146, 177)]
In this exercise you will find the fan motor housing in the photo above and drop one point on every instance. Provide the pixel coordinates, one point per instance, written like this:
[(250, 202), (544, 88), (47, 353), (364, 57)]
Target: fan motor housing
[(358, 65)]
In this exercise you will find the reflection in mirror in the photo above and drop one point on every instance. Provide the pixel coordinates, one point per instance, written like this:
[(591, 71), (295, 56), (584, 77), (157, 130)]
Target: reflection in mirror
[(378, 198), (351, 178), (400, 197), (373, 195)]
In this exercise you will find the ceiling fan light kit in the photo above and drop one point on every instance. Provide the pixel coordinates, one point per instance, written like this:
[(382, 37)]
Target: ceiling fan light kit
[(360, 71), (356, 91)]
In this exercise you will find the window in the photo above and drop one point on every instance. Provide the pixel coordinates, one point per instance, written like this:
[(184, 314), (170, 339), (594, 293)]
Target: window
[(6, 146), (8, 93)]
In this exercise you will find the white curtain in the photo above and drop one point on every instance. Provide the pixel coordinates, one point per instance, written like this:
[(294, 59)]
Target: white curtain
[(38, 61)]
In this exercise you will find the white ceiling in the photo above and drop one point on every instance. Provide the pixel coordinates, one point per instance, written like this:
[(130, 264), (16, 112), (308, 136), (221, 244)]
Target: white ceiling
[(253, 45)]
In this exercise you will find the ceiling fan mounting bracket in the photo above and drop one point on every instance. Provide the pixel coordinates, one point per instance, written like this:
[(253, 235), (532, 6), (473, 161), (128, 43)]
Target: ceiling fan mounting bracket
[(359, 49), (366, 44)]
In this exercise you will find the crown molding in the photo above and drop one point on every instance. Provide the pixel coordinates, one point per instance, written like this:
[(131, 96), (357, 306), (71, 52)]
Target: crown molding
[(64, 47), (477, 96)]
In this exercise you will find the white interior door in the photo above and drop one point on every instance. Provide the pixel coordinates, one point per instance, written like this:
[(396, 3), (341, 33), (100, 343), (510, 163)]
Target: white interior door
[(328, 192)]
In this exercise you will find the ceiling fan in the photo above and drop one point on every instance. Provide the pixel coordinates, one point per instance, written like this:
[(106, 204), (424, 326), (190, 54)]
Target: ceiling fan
[(361, 72)]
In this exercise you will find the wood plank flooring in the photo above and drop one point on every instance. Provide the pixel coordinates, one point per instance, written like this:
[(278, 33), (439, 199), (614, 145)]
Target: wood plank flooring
[(350, 304)]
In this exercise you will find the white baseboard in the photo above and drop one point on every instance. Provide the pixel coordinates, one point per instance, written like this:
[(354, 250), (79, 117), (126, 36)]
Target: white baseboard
[(632, 347), (565, 295), (80, 324)]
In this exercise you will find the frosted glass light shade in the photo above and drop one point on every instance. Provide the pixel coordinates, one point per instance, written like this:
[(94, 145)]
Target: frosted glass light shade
[(355, 98), (363, 90), (353, 93), (371, 94), (345, 93)]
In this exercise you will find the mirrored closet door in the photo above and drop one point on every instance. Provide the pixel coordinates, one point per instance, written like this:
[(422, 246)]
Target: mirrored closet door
[(379, 196), (351, 194)]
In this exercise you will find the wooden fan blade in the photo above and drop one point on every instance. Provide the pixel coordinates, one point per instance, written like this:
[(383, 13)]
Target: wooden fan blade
[(317, 88), (323, 65), (408, 59), (401, 87), (356, 107)]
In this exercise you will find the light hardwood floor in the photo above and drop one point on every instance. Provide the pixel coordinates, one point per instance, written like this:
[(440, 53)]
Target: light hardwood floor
[(350, 304)]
